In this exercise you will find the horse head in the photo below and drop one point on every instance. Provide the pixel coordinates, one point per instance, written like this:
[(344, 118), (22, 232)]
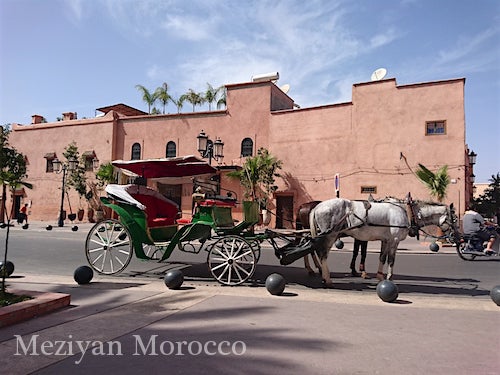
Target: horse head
[(436, 214)]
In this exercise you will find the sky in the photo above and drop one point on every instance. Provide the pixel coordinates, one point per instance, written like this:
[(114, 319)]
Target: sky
[(78, 55)]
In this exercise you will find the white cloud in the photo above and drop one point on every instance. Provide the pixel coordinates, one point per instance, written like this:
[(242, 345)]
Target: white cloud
[(466, 46), (190, 27), (384, 38), (76, 10)]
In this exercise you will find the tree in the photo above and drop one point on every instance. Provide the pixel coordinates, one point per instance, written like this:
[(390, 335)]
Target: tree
[(211, 94), (437, 183), (179, 103), (147, 97), (193, 97), (257, 176), (12, 174), (488, 203), (222, 100), (162, 95)]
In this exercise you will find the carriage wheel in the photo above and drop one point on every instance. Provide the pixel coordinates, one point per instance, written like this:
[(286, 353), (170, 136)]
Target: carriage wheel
[(152, 251), (108, 247), (461, 252), (231, 260), (255, 244)]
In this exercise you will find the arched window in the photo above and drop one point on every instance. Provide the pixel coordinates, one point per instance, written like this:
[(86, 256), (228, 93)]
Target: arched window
[(136, 151), (247, 147), (171, 151)]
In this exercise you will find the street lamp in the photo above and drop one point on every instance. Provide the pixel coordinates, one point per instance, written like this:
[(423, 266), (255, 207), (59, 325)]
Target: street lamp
[(59, 167), (209, 149), (472, 158)]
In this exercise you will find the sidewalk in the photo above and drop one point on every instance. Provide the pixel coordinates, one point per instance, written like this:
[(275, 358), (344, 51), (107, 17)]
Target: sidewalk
[(127, 325)]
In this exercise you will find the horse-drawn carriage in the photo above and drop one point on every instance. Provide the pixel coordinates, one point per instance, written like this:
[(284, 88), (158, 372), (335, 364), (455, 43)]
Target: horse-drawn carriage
[(150, 226)]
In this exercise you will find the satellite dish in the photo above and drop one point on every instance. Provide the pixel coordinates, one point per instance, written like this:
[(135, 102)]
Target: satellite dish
[(379, 74), (285, 88)]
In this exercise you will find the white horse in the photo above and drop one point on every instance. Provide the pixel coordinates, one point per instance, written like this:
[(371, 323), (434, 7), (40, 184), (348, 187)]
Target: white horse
[(388, 222)]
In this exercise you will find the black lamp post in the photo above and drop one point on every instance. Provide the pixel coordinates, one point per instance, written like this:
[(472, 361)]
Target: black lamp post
[(472, 158), (209, 149), (59, 167)]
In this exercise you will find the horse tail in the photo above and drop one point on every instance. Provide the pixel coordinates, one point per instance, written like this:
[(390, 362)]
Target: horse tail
[(312, 223)]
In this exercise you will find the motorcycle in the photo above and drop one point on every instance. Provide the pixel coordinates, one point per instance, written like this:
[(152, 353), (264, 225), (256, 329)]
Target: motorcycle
[(470, 247)]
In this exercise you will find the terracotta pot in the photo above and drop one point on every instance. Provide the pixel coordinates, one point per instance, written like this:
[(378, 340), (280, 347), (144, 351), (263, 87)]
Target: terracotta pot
[(99, 215), (80, 214)]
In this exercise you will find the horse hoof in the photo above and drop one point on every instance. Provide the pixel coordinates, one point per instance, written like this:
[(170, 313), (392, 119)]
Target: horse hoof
[(327, 285), (354, 273), (364, 275)]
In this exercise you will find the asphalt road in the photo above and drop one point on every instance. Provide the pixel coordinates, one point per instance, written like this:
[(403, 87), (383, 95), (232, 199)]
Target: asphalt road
[(60, 252)]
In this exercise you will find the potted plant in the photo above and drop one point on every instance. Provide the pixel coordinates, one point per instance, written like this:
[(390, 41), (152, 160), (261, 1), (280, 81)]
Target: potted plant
[(104, 175), (257, 177), (76, 178)]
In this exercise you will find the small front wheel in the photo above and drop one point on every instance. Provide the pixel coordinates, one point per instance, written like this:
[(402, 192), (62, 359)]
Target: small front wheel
[(109, 247), (231, 260), (461, 246)]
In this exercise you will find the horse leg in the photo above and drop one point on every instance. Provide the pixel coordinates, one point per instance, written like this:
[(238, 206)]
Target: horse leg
[(364, 248), (355, 251), (382, 259), (325, 272), (307, 265), (391, 258), (316, 261)]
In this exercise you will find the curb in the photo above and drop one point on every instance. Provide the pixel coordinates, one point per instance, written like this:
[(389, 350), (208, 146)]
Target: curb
[(42, 303)]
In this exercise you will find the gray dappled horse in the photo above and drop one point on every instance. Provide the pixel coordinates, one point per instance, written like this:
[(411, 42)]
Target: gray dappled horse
[(388, 222)]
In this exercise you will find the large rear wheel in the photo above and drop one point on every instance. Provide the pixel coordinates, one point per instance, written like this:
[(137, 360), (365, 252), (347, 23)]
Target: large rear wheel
[(109, 247), (231, 260)]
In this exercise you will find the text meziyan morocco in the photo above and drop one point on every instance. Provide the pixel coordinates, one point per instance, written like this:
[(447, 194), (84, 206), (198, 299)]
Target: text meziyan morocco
[(149, 347)]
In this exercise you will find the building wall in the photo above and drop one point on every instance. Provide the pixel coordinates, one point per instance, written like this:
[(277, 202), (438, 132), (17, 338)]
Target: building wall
[(374, 140)]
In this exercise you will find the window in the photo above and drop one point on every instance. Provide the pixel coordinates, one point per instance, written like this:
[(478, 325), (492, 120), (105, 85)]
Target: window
[(247, 147), (49, 158), (171, 151), (88, 159), (435, 127), (136, 151), (368, 190)]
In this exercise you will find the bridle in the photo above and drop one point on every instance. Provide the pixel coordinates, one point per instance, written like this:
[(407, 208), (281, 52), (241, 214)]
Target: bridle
[(447, 221)]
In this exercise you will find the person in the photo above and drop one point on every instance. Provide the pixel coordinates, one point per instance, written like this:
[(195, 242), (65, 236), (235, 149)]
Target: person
[(475, 225), (357, 245), (23, 214)]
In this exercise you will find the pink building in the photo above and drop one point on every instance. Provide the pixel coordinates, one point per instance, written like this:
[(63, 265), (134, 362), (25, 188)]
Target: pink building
[(372, 144)]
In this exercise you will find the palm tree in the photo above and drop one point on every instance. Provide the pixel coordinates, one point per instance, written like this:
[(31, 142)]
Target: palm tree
[(179, 103), (257, 176), (437, 183), (222, 100), (193, 97), (147, 97), (210, 95), (162, 95)]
